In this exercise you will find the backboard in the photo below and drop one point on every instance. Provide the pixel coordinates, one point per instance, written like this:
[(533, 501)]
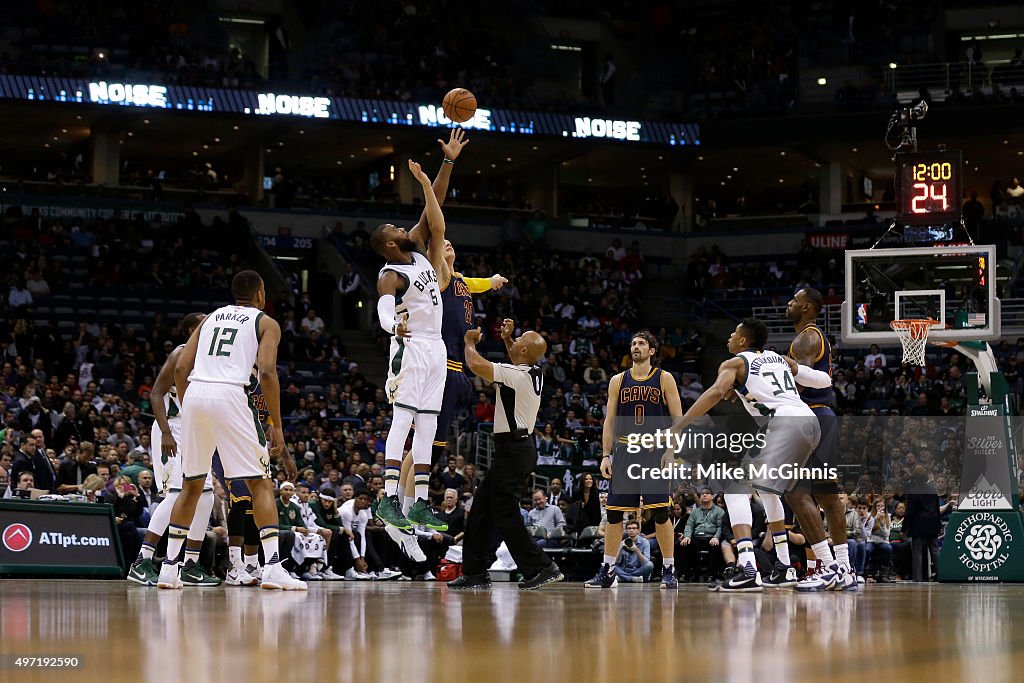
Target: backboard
[(954, 285)]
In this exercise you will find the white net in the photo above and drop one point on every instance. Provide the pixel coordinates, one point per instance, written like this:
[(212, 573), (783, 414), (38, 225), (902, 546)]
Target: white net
[(913, 335)]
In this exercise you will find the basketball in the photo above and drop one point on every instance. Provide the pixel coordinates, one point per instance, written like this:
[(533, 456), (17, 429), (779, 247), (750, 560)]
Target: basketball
[(459, 105)]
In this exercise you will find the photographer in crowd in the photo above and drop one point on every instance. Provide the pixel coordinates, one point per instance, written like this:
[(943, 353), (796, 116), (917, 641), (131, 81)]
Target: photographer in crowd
[(633, 564)]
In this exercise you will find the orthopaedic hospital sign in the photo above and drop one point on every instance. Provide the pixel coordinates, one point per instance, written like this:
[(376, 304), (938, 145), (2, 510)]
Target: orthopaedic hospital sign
[(129, 93)]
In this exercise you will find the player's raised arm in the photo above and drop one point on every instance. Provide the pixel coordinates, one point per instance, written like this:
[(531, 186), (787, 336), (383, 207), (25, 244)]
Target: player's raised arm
[(608, 430), (164, 382), (451, 150), (435, 219), (729, 373)]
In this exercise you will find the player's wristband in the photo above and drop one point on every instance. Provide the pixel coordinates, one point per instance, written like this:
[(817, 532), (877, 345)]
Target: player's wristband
[(446, 160), (606, 456)]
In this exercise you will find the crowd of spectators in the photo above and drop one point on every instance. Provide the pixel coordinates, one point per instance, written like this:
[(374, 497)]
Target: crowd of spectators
[(731, 58)]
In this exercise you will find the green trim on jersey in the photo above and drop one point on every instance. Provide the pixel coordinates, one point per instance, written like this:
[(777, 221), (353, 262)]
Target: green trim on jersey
[(742, 388), (250, 401), (258, 317), (396, 362)]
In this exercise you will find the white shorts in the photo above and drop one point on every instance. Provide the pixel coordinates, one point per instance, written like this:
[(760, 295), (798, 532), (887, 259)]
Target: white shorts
[(168, 471), (417, 369), (219, 417)]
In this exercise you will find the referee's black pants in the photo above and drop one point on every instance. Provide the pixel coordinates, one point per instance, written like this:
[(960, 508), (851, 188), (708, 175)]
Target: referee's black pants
[(496, 506)]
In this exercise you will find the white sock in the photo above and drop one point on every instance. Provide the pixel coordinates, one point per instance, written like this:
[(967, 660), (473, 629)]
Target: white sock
[(147, 551), (407, 503), (822, 552), (842, 552), (780, 539), (252, 560), (609, 560), (235, 556), (669, 561)]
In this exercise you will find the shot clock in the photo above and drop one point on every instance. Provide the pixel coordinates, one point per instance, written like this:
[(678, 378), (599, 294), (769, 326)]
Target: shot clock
[(928, 188)]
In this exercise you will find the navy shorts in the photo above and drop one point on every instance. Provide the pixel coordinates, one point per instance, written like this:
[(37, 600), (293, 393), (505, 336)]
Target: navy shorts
[(458, 399), (237, 489), (624, 502)]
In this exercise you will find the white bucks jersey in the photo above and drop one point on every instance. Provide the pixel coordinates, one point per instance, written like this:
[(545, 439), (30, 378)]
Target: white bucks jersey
[(171, 406), (421, 299), (228, 344), (769, 385)]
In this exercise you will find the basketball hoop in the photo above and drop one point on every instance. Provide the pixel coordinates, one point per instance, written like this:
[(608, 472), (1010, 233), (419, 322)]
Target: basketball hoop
[(913, 335)]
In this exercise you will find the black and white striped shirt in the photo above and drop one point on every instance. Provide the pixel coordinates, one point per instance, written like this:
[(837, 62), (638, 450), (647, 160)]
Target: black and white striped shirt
[(519, 388)]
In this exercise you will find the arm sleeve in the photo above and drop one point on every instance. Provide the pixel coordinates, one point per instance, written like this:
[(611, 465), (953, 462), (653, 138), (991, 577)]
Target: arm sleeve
[(359, 526), (346, 519), (477, 285), (386, 313), (815, 379)]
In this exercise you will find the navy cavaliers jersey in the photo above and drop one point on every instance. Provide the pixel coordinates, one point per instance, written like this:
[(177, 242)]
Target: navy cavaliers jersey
[(823, 362), (456, 320), (642, 408)]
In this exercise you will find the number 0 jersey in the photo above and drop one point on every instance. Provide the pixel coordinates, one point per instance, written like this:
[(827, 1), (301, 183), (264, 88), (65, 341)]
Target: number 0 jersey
[(642, 408), (421, 298), (769, 385), (228, 345)]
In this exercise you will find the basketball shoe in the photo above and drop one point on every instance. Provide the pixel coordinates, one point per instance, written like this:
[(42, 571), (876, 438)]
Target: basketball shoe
[(389, 511), (276, 578), (422, 515), (238, 576), (604, 578), (406, 540), (782, 576), (745, 580), (193, 575), (143, 572)]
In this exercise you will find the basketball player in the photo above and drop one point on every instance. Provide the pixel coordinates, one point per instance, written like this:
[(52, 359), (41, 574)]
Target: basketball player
[(457, 319), (811, 348), (647, 396), (215, 367), (764, 382), (416, 372), (166, 435)]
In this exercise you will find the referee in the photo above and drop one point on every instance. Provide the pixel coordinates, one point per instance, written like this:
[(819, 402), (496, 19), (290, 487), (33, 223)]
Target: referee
[(496, 503)]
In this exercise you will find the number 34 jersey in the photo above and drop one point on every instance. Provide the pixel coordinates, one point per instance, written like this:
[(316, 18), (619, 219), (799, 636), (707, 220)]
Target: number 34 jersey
[(769, 386), (228, 345)]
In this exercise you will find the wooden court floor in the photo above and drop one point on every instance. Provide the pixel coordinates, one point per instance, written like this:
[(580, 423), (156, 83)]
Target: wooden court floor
[(405, 632)]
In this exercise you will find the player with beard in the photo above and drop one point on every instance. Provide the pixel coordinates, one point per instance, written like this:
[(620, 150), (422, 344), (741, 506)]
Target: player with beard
[(648, 397), (409, 308), (457, 305), (811, 348)]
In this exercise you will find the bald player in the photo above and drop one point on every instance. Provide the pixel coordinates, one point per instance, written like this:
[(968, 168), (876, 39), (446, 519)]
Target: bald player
[(496, 504)]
